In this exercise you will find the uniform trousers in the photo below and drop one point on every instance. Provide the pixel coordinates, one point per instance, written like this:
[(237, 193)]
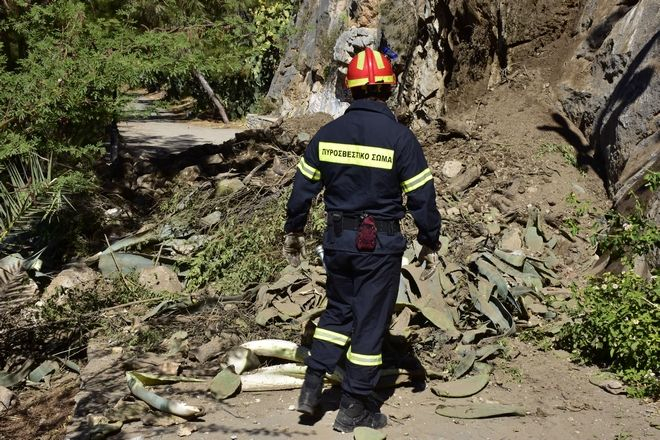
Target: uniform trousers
[(361, 290)]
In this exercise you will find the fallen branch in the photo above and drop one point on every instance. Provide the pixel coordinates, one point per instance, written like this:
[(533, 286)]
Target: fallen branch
[(212, 96)]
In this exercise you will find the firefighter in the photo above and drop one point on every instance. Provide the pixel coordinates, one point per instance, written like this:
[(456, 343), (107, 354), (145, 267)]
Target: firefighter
[(366, 161)]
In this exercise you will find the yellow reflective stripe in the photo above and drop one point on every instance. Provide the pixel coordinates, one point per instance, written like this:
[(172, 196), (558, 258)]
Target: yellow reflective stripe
[(308, 171), (360, 155), (387, 79), (330, 336), (357, 82), (362, 56), (417, 181), (379, 60), (365, 360)]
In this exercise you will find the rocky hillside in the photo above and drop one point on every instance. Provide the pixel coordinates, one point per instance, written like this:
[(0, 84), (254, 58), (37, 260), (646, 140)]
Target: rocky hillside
[(596, 58)]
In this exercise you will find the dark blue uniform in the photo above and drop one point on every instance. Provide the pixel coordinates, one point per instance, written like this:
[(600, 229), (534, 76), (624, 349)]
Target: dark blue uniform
[(365, 160)]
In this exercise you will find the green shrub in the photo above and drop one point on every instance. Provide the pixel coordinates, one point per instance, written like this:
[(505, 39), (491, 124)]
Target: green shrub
[(617, 325), (633, 234)]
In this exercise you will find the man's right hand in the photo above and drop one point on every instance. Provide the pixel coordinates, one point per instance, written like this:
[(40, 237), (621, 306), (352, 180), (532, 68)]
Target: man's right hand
[(431, 258), (294, 248)]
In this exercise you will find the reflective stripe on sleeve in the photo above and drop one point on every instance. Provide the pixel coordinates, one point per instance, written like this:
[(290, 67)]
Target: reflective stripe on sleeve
[(365, 360), (417, 181), (308, 171), (330, 336)]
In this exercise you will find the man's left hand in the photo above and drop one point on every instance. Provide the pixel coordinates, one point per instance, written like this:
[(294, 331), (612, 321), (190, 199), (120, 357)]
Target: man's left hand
[(431, 258), (294, 248)]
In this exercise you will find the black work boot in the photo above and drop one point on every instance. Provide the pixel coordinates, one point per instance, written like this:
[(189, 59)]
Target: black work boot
[(310, 393), (354, 412)]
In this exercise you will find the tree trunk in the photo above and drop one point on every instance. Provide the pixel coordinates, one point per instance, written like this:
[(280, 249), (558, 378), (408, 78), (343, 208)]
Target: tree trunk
[(212, 96)]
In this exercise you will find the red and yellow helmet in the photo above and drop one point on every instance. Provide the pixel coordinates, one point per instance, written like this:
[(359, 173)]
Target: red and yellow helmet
[(369, 67)]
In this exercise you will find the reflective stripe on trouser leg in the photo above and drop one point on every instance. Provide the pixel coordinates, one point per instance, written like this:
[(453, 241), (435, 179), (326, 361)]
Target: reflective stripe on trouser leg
[(376, 284), (365, 360), (337, 319), (330, 336)]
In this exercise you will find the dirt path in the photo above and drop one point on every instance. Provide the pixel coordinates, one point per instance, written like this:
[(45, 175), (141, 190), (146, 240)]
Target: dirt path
[(173, 136), (559, 401)]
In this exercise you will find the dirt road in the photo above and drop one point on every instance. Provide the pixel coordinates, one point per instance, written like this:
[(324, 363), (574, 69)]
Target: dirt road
[(173, 136)]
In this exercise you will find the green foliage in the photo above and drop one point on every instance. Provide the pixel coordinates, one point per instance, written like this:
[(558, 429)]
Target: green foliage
[(31, 195), (84, 305), (617, 325), (652, 179), (240, 252), (565, 150), (64, 63), (628, 235)]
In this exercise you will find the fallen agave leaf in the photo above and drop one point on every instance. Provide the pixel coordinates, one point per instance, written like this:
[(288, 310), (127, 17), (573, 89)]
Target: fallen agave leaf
[(608, 382), (10, 379), (364, 433), (487, 351), (462, 387), (69, 364), (269, 382), (155, 401), (46, 368), (225, 384), (515, 258), (265, 315), (465, 365), (441, 319), (149, 379), (479, 410), (242, 359), (277, 348)]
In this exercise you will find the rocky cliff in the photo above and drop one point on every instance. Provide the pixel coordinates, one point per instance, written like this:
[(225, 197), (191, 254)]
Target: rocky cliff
[(604, 78)]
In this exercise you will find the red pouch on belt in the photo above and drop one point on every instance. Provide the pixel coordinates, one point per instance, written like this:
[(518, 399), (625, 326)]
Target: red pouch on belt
[(367, 234)]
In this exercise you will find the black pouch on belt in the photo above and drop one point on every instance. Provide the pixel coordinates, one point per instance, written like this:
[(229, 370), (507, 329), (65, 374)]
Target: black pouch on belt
[(367, 234)]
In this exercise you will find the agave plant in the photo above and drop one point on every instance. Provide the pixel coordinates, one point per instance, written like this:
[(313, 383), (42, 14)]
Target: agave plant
[(28, 194)]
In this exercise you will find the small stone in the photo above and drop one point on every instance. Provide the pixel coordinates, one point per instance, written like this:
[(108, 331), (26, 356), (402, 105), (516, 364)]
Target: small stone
[(6, 397), (451, 168), (453, 212), (229, 186), (188, 174), (292, 407), (170, 368)]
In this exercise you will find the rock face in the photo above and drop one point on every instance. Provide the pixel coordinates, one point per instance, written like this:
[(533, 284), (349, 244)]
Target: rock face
[(442, 45), (612, 90), (609, 87)]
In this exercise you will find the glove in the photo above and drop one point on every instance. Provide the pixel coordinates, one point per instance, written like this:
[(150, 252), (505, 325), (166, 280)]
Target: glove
[(294, 248), (431, 258)]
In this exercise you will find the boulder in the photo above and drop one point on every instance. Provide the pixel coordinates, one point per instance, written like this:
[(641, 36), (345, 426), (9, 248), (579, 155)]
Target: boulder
[(611, 90), (79, 277), (160, 279)]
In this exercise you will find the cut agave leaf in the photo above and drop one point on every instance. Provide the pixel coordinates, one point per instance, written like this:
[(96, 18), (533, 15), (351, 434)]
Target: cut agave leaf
[(462, 387), (225, 384), (479, 410), (155, 401)]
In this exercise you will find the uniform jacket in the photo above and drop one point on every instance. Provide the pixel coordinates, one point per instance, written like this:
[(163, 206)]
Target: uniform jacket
[(366, 161)]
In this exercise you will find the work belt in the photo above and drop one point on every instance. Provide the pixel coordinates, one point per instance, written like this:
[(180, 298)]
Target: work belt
[(340, 222)]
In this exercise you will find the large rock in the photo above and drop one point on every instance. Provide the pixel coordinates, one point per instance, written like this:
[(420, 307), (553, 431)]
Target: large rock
[(79, 277), (160, 279), (612, 91), (441, 44)]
